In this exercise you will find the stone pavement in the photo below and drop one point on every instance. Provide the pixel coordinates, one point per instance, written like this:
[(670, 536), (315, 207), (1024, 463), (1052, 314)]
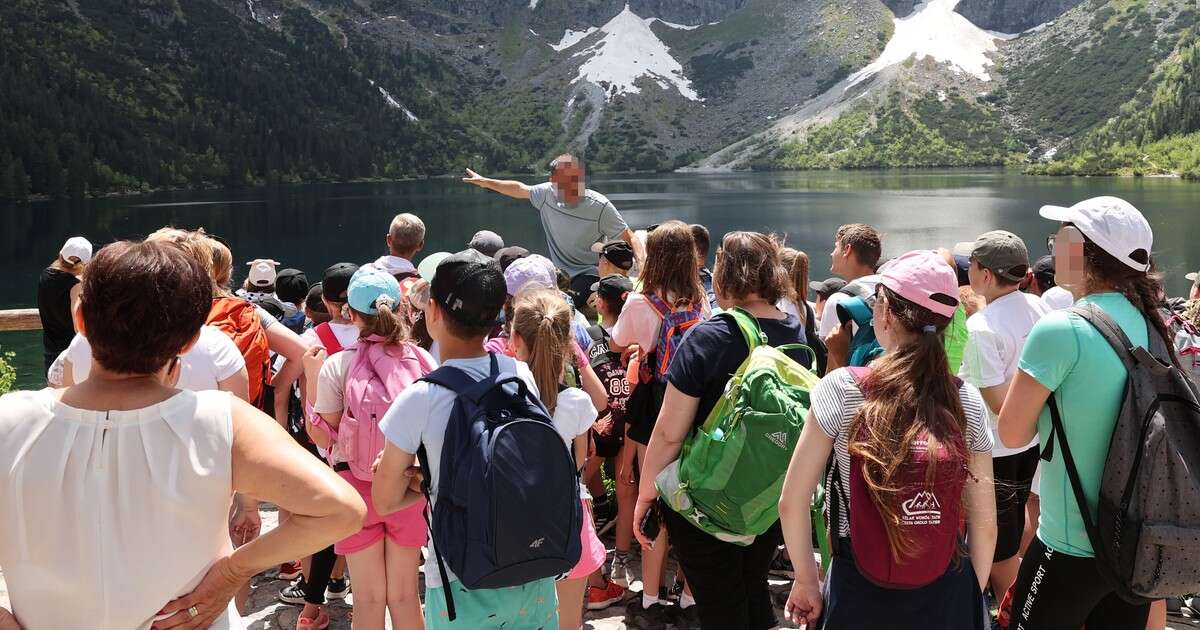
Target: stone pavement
[(267, 613)]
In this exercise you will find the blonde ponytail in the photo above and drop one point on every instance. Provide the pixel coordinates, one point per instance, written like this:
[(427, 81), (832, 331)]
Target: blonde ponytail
[(542, 319)]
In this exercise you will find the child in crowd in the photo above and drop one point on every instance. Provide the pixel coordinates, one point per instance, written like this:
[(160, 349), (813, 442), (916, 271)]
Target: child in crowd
[(541, 336), (467, 293), (671, 300), (355, 388), (904, 431), (996, 335)]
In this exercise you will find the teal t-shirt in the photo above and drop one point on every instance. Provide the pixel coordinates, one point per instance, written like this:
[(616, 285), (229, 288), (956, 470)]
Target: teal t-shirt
[(1069, 357)]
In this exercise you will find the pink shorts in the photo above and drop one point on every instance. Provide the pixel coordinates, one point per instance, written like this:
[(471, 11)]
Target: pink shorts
[(405, 528), (593, 553)]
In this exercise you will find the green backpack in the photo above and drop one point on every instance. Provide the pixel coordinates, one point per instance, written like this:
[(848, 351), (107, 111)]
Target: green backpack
[(728, 479)]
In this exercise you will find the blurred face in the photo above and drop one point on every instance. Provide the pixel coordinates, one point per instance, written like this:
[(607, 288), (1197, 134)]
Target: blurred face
[(839, 263), (980, 277), (1195, 294), (1068, 257), (819, 305), (884, 324), (568, 179)]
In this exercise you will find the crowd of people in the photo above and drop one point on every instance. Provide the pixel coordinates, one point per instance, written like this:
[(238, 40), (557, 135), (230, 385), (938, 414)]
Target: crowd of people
[(504, 426)]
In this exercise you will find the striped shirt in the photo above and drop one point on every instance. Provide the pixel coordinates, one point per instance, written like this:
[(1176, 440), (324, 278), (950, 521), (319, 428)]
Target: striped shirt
[(835, 402)]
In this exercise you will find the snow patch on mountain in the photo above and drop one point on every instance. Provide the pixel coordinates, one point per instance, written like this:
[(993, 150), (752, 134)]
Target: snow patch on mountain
[(934, 30), (533, 4), (393, 103), (683, 27), (630, 51), (570, 38)]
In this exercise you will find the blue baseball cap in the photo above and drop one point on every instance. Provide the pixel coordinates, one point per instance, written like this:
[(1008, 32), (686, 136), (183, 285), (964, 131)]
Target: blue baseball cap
[(367, 285)]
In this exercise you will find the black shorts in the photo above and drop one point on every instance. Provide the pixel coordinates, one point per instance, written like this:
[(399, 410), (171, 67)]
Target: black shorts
[(1013, 474), (951, 602), (728, 581), (1056, 591), (609, 445), (641, 410)]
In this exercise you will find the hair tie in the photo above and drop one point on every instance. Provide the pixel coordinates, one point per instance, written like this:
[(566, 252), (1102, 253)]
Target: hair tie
[(384, 302), (929, 329)]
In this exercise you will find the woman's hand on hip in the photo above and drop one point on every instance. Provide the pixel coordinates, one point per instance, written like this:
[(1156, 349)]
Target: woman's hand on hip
[(209, 600)]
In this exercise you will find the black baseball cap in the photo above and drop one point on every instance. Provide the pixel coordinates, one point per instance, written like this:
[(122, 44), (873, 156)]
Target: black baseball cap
[(470, 286), (313, 299), (336, 282), (1043, 270), (827, 287), (618, 253), (291, 285), (613, 287), (506, 255)]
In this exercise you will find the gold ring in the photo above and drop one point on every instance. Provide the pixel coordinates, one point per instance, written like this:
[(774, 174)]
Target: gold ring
[(192, 612)]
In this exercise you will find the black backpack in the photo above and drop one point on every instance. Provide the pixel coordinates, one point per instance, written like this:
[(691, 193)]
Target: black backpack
[(1147, 537)]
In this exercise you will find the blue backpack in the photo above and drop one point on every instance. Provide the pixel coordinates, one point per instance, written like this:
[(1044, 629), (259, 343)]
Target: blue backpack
[(864, 347), (508, 509)]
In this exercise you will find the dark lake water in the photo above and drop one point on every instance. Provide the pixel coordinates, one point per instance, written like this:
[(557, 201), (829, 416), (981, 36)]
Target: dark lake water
[(311, 227)]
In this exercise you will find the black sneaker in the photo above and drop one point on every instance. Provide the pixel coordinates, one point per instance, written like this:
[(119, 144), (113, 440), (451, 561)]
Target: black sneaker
[(338, 589), (293, 593), (687, 618), (657, 617)]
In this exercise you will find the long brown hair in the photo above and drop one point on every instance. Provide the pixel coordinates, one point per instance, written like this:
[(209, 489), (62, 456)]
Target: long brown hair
[(671, 265), (542, 319), (1144, 289), (911, 390), (795, 263)]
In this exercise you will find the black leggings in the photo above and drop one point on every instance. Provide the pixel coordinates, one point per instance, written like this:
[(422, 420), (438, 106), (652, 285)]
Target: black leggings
[(321, 565), (1056, 591), (728, 581), (319, 571)]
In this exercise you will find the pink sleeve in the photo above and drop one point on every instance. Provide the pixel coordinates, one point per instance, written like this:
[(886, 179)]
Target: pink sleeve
[(638, 324)]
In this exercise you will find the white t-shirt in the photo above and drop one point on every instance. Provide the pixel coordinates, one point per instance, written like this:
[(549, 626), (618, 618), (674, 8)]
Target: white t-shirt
[(787, 305), (995, 337), (1058, 298), (836, 401), (573, 416), (346, 334), (830, 322), (419, 416), (213, 359)]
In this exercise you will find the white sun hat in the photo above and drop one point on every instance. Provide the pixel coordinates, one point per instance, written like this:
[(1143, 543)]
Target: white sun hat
[(1113, 224)]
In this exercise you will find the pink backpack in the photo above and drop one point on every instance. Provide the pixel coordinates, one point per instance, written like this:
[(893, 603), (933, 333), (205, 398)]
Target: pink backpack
[(931, 513), (377, 374)]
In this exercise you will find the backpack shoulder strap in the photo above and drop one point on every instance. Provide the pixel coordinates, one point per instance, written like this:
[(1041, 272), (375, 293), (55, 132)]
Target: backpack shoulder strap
[(657, 305), (328, 339), (748, 325), (451, 378)]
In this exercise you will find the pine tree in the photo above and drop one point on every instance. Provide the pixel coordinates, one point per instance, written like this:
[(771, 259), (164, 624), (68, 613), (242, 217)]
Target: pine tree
[(20, 181), (79, 170)]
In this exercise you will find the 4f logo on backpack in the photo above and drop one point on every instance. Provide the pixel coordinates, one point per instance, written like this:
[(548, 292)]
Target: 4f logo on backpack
[(922, 509), (537, 542), (779, 439)]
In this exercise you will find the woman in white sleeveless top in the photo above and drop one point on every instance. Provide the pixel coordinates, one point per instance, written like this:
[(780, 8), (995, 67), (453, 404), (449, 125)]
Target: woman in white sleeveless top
[(115, 493)]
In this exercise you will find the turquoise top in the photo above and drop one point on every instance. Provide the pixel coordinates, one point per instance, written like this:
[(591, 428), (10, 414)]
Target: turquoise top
[(1069, 357)]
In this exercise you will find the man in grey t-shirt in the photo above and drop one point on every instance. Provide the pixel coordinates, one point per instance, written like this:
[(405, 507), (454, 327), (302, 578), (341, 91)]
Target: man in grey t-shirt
[(573, 217)]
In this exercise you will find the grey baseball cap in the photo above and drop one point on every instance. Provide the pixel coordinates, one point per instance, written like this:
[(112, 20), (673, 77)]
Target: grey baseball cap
[(1002, 253)]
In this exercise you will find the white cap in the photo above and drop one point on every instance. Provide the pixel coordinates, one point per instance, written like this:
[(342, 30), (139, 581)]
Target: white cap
[(77, 247), (262, 272), (1194, 276), (1113, 224)]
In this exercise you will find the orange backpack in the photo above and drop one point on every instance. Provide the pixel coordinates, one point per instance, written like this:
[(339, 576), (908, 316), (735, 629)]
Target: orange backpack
[(238, 319)]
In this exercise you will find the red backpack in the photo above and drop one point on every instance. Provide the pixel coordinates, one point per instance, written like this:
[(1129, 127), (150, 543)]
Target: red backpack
[(675, 322), (931, 513), (238, 319)]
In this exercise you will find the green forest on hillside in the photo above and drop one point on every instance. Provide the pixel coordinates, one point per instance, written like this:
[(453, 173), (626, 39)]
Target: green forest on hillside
[(127, 96), (1156, 133), (895, 134)]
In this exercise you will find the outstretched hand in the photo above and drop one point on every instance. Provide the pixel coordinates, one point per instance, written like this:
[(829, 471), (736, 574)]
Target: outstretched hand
[(474, 178)]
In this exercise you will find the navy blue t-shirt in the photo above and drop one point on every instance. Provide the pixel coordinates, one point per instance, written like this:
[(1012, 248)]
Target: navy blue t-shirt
[(713, 350)]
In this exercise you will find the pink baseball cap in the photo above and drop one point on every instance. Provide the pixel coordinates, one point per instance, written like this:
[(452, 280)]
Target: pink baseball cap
[(923, 278)]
